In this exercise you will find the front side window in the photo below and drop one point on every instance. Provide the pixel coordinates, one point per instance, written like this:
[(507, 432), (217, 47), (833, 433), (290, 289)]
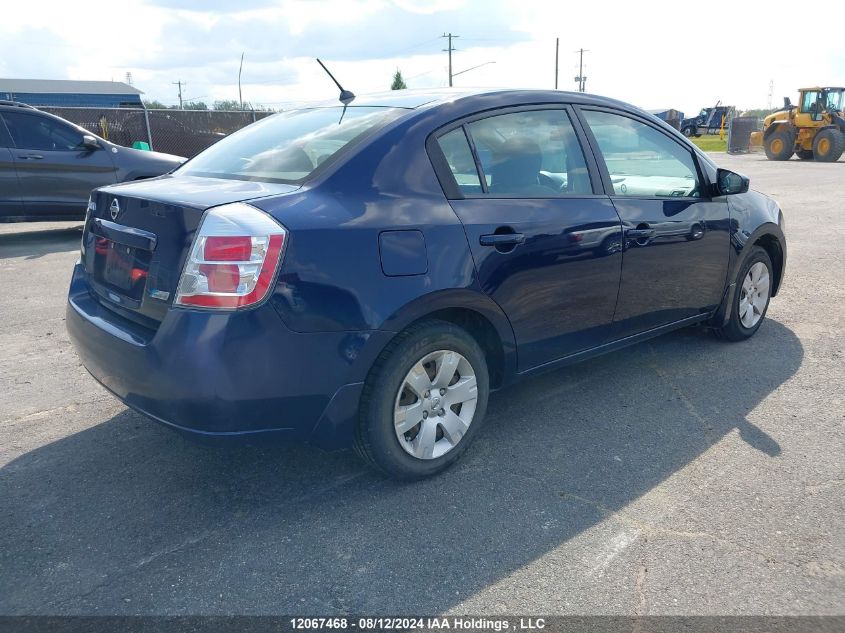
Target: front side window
[(287, 147), (809, 104), (38, 132), (532, 154), (641, 160)]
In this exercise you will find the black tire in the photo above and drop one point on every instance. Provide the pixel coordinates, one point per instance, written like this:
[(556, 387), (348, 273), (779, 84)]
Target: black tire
[(376, 440), (734, 330), (688, 131), (805, 154), (779, 145), (828, 145)]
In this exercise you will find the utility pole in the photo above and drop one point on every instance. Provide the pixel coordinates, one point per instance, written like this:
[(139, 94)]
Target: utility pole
[(180, 83), (450, 49), (771, 91), (240, 70), (557, 56), (581, 79)]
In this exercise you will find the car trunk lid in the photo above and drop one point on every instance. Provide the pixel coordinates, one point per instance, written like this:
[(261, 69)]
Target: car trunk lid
[(138, 235)]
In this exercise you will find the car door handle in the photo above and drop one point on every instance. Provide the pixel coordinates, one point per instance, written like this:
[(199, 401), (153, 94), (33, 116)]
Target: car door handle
[(640, 234), (500, 239), (31, 156)]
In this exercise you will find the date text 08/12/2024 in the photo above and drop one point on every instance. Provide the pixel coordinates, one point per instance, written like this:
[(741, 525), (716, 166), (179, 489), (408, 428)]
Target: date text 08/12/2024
[(424, 623)]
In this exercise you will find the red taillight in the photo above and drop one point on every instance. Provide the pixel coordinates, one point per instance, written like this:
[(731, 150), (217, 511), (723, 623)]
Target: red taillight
[(233, 260), (228, 248), (221, 277)]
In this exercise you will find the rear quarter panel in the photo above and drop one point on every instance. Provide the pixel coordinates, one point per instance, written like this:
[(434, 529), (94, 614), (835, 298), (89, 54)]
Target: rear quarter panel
[(332, 277)]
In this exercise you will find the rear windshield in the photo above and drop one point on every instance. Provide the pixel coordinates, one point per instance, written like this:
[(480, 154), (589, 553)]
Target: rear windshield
[(287, 147)]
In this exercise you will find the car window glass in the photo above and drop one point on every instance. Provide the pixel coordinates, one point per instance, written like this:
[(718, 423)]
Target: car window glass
[(458, 154), (287, 147), (31, 131), (641, 160), (532, 154)]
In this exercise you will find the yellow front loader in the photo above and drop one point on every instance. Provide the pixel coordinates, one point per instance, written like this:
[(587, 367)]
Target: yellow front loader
[(814, 129)]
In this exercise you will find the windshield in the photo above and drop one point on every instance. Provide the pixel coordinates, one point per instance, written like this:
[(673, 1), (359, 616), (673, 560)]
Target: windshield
[(287, 147), (834, 100)]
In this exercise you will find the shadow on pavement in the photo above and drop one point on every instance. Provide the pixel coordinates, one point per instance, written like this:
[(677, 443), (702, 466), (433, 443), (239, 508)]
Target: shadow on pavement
[(126, 517), (34, 244)]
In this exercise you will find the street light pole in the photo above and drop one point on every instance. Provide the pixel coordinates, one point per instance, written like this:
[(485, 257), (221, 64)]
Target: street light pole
[(557, 56)]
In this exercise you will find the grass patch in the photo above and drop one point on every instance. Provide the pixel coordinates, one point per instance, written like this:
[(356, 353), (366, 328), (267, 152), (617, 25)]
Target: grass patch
[(711, 143)]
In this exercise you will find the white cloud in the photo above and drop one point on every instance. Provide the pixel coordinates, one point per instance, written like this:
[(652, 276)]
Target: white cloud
[(654, 54)]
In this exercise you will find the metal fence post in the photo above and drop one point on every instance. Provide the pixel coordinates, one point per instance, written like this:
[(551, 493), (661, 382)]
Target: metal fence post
[(149, 130)]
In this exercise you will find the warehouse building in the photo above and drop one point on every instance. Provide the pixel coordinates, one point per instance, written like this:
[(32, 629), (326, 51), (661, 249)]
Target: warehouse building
[(67, 93)]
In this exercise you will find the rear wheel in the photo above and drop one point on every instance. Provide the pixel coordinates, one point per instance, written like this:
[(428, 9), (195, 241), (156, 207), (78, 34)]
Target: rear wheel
[(779, 145), (751, 297), (804, 154), (828, 145), (423, 402)]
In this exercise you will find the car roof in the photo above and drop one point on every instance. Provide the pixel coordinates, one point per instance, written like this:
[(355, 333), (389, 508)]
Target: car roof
[(417, 98)]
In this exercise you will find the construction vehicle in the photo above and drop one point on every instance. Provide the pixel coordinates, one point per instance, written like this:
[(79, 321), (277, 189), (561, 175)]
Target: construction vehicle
[(814, 129), (708, 121)]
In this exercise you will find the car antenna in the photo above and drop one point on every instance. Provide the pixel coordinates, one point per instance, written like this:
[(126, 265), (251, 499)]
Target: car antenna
[(346, 96)]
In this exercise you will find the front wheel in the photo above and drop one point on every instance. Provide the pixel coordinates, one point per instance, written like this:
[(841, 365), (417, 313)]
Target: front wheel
[(780, 145), (751, 297), (423, 402)]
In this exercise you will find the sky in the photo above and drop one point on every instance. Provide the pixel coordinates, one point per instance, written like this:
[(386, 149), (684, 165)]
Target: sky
[(649, 53)]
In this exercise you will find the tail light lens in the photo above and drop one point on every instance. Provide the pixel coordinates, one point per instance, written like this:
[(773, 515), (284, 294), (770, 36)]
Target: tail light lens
[(233, 260)]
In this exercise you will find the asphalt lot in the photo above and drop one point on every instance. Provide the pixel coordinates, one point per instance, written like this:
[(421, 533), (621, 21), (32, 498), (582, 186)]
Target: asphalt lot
[(682, 476)]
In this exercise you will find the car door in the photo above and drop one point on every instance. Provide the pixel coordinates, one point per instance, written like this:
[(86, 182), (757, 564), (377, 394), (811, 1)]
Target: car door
[(676, 235), (10, 194), (55, 170), (546, 244)]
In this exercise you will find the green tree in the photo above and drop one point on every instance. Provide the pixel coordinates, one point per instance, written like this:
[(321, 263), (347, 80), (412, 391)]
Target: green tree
[(230, 104), (759, 113), (398, 82), (195, 105), (154, 104)]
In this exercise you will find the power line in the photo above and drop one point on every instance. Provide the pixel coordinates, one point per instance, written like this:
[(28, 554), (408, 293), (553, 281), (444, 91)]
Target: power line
[(240, 70), (581, 79), (180, 83), (449, 50)]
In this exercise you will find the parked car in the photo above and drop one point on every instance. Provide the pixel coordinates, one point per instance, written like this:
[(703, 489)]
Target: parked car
[(365, 276), (48, 166)]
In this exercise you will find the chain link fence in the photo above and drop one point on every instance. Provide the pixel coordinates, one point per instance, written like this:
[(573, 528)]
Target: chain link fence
[(739, 134), (180, 132)]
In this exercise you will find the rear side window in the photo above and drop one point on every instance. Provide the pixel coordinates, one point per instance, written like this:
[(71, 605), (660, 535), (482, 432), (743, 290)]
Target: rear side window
[(532, 154), (288, 147), (33, 131), (641, 160), (458, 154)]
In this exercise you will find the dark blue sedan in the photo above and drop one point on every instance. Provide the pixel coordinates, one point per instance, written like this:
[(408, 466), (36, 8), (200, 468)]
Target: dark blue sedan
[(365, 275)]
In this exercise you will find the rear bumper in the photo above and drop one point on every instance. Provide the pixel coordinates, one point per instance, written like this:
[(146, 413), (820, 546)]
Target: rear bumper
[(238, 375)]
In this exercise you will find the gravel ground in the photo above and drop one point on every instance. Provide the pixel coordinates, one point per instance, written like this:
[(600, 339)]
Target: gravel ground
[(681, 476)]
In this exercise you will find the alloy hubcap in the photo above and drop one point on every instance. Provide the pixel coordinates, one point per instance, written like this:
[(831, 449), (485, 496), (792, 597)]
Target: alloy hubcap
[(754, 295), (435, 404)]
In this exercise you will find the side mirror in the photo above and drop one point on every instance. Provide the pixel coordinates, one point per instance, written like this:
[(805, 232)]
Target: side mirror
[(729, 182), (90, 143)]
